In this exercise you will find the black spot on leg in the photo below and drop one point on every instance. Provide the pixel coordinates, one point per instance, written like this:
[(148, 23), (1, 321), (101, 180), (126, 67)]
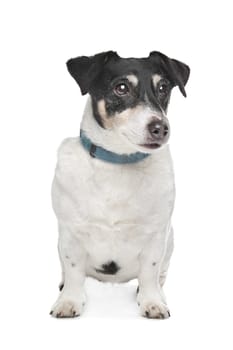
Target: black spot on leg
[(73, 264), (61, 286), (154, 263), (67, 257), (137, 291)]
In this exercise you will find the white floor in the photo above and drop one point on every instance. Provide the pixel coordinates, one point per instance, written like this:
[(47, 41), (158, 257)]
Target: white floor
[(106, 300)]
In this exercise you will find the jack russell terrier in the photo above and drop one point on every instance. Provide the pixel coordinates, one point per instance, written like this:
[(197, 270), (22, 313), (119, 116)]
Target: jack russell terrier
[(113, 191)]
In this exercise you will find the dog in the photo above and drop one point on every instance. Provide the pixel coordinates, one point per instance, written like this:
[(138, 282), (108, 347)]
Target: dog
[(113, 191)]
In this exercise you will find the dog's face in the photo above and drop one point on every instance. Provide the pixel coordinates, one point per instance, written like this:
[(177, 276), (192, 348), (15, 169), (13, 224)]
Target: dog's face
[(130, 95)]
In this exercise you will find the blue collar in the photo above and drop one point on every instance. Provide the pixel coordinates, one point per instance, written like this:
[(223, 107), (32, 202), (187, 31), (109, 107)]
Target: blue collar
[(111, 157)]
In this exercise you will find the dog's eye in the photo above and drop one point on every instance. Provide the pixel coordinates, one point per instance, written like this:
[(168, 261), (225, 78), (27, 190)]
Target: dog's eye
[(163, 88), (121, 89)]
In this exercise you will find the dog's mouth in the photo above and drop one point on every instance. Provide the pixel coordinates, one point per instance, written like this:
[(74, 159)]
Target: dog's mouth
[(151, 145)]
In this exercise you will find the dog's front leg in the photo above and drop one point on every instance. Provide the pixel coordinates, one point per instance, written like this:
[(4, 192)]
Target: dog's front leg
[(150, 298), (72, 299)]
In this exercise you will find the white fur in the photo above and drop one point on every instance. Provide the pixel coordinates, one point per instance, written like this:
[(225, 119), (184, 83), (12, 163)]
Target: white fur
[(113, 212)]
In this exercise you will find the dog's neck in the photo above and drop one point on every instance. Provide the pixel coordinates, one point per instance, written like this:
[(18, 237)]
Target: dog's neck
[(108, 139)]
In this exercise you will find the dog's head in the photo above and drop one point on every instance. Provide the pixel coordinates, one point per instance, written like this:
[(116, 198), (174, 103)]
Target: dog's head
[(130, 95)]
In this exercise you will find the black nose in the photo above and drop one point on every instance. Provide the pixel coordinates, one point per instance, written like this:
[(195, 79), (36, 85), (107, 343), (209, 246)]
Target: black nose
[(159, 130)]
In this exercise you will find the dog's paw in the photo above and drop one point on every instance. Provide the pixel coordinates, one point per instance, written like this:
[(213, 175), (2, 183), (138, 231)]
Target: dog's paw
[(153, 308), (67, 308)]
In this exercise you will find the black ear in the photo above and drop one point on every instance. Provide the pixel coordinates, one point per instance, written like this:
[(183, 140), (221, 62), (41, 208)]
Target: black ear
[(181, 73), (178, 71), (86, 69)]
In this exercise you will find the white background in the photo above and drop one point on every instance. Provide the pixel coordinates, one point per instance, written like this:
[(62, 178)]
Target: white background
[(41, 105)]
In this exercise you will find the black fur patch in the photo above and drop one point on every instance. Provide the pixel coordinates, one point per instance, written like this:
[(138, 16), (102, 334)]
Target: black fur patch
[(110, 268), (99, 75)]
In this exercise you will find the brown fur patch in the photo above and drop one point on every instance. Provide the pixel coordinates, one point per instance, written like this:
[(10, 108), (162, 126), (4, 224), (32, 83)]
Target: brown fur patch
[(118, 119)]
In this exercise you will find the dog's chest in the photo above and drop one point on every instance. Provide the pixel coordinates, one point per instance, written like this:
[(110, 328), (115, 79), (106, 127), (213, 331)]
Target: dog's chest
[(112, 209), (93, 191)]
